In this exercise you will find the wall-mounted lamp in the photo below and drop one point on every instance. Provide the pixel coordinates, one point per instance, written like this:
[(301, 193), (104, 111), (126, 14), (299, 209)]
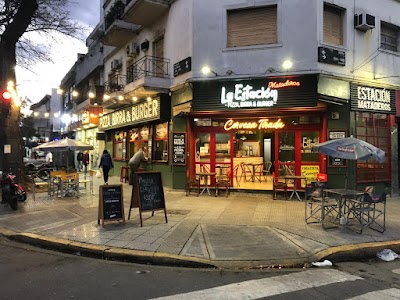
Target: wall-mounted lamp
[(134, 98), (287, 64), (91, 95), (206, 70), (75, 93)]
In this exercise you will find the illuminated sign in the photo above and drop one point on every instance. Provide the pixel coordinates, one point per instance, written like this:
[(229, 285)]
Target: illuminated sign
[(247, 96), (373, 98), (260, 124)]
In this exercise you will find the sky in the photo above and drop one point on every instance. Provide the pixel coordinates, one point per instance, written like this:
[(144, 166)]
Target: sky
[(37, 83)]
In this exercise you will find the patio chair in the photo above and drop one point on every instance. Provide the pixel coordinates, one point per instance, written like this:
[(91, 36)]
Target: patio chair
[(278, 185), (193, 183), (319, 207), (235, 174), (222, 181), (267, 170), (369, 212), (88, 178)]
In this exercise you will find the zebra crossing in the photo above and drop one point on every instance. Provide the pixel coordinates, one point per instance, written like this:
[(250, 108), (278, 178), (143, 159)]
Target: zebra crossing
[(280, 285)]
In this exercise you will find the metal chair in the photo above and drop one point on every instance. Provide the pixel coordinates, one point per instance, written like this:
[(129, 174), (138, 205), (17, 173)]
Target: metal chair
[(318, 207), (279, 185), (267, 170), (88, 178), (222, 181), (193, 183), (235, 173), (370, 212)]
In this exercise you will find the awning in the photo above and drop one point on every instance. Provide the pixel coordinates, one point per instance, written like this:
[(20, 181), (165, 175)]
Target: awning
[(332, 100)]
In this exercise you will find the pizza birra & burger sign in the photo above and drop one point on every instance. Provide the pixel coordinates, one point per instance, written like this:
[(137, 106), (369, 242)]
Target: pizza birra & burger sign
[(248, 96)]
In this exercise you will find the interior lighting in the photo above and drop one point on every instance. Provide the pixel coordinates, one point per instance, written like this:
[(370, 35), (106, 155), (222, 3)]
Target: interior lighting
[(148, 99), (75, 93)]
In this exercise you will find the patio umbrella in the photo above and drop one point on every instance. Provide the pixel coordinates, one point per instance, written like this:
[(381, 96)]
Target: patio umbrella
[(64, 145), (350, 148)]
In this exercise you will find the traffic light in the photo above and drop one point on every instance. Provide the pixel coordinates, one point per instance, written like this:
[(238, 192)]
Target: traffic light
[(5, 98)]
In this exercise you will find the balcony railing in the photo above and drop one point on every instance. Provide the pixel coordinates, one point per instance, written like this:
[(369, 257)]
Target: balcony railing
[(148, 66), (115, 83)]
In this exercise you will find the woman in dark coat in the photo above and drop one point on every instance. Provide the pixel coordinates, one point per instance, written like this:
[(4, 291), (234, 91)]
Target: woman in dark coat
[(107, 164)]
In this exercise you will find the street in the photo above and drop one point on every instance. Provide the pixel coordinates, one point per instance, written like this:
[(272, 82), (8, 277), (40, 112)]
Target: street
[(32, 273)]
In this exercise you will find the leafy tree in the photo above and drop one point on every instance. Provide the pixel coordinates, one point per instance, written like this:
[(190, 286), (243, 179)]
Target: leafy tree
[(20, 20)]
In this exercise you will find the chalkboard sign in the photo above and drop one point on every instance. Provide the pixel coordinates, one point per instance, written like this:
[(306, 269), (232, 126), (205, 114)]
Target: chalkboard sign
[(179, 148), (148, 192), (111, 203)]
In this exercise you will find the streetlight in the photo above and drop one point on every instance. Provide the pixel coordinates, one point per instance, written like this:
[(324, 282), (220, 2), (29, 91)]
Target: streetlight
[(206, 70)]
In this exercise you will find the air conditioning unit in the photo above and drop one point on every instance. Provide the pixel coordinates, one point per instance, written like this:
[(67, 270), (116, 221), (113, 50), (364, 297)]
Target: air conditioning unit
[(364, 22), (133, 50), (115, 64)]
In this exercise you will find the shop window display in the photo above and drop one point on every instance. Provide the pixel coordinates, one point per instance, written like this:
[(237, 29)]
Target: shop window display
[(136, 138), (161, 142), (118, 152)]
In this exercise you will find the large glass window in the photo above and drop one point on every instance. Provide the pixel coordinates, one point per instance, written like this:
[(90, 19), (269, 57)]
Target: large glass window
[(119, 150), (308, 140), (161, 142), (374, 129), (137, 137)]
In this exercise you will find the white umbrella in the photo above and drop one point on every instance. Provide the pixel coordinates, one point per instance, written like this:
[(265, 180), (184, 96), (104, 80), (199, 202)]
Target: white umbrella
[(64, 145)]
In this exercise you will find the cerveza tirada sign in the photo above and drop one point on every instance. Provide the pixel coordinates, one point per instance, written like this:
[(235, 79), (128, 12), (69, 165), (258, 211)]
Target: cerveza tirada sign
[(249, 96), (135, 114)]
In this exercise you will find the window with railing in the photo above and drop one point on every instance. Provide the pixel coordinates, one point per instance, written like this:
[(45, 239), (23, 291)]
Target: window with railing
[(374, 129), (115, 83), (148, 66)]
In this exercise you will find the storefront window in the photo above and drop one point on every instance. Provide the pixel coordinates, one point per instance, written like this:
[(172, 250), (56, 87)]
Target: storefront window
[(137, 137), (286, 151), (374, 129), (308, 140), (119, 137), (161, 142)]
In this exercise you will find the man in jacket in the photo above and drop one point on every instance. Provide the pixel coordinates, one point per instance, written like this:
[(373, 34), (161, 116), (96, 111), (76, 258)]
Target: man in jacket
[(134, 163)]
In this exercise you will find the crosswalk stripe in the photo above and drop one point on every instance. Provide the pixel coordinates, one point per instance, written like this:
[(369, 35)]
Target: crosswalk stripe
[(255, 289), (382, 294)]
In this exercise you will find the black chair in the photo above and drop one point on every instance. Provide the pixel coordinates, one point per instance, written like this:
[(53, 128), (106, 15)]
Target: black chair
[(318, 207), (370, 212), (279, 185)]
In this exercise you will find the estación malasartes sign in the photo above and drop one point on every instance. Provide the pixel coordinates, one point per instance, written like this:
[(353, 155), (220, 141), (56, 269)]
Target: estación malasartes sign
[(141, 112), (271, 92), (373, 99)]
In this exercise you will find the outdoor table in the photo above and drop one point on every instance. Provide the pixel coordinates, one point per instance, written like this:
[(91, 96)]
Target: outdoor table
[(253, 169), (205, 176), (342, 196), (294, 178)]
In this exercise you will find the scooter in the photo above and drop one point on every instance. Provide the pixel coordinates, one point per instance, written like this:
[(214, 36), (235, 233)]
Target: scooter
[(11, 191)]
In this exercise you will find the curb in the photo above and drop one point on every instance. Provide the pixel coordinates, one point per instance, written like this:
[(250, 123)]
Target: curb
[(105, 252), (355, 252)]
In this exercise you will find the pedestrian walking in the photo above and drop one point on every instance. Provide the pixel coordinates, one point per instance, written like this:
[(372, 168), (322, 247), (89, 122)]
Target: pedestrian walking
[(85, 160), (134, 163), (107, 164)]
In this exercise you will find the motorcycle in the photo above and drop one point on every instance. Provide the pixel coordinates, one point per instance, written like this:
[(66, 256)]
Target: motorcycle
[(11, 191)]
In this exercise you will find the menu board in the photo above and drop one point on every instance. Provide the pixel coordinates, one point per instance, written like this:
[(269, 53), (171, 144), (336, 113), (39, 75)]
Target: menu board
[(148, 193), (179, 148), (111, 203)]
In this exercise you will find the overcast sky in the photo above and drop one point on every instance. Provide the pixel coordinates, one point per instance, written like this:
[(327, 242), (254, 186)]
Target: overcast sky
[(35, 85)]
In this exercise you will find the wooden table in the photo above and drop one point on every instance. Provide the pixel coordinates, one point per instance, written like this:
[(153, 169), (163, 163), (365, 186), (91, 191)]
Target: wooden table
[(205, 176), (252, 168), (294, 178), (342, 196)]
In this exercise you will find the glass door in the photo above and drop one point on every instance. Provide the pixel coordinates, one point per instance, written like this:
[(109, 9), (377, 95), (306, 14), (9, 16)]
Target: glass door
[(203, 155)]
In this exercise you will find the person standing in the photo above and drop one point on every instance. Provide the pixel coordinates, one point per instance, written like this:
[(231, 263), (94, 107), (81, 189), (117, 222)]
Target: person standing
[(107, 164), (79, 158), (49, 158), (85, 160), (134, 163)]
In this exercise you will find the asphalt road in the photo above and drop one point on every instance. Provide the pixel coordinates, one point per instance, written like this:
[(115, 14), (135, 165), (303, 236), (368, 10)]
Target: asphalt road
[(31, 273)]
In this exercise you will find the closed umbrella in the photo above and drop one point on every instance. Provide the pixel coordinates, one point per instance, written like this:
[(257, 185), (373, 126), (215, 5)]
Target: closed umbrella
[(350, 148)]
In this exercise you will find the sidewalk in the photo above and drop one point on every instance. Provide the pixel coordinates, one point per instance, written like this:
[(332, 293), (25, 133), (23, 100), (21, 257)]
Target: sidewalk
[(245, 230)]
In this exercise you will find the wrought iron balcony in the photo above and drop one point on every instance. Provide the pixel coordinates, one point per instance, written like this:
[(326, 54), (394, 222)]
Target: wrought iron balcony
[(115, 84), (148, 66)]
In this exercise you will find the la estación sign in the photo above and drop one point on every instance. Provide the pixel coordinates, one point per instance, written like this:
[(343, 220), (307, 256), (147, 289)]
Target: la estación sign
[(250, 97)]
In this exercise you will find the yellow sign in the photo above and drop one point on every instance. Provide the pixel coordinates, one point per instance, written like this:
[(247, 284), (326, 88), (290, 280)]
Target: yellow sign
[(310, 172)]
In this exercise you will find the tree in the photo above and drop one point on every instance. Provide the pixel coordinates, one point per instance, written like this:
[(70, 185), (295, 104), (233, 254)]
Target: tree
[(18, 19)]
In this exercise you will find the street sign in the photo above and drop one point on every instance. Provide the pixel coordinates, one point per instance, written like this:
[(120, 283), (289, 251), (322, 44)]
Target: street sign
[(183, 66), (331, 56)]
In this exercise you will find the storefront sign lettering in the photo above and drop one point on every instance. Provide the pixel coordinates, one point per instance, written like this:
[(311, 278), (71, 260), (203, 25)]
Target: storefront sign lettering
[(260, 124), (373, 98), (134, 114)]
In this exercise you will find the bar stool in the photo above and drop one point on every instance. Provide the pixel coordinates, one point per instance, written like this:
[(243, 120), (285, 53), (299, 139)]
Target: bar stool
[(124, 174)]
